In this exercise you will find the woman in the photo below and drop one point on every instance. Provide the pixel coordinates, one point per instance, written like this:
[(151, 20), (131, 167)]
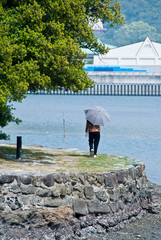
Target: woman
[(94, 137)]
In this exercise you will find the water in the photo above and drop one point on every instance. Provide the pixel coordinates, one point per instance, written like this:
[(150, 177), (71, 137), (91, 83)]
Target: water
[(134, 129)]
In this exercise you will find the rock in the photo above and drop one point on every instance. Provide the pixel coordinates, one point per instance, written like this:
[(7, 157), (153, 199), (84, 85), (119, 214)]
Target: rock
[(58, 178), (57, 202), (110, 180), (26, 179), (154, 208), (2, 203), (80, 207), (43, 192), (88, 192), (103, 222), (121, 175), (114, 207), (35, 200), (101, 195), (62, 191), (6, 178), (97, 207), (49, 180), (28, 189), (55, 191), (15, 189), (139, 171)]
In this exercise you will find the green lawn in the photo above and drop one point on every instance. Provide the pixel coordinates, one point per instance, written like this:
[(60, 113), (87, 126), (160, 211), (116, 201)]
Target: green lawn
[(60, 161)]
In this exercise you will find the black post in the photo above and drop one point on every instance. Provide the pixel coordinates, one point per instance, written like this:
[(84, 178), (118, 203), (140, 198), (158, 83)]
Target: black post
[(19, 147)]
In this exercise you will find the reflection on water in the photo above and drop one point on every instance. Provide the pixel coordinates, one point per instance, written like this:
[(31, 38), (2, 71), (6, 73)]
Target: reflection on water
[(134, 129)]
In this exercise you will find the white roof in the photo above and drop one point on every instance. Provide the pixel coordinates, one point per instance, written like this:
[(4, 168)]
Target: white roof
[(146, 49)]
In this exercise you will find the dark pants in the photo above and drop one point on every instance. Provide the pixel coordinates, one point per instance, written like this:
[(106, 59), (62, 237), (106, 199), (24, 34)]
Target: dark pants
[(94, 138)]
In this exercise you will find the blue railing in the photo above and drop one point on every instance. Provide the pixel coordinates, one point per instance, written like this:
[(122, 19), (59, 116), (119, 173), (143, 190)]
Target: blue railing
[(113, 69)]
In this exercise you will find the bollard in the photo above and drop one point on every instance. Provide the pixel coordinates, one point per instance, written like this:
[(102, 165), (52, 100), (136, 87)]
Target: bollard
[(19, 147)]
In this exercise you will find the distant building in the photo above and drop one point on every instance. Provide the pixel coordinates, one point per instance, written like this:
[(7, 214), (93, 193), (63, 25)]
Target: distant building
[(98, 26), (145, 55), (138, 63)]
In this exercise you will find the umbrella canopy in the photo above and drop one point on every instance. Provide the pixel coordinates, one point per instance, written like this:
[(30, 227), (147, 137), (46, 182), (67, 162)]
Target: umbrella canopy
[(97, 115)]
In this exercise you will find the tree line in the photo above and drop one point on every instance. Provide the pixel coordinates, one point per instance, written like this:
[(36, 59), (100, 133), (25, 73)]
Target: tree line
[(142, 18)]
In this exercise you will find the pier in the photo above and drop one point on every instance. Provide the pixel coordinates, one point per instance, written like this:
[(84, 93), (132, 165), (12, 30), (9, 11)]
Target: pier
[(110, 89)]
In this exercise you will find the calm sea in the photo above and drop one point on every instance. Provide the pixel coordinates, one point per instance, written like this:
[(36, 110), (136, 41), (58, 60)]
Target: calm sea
[(134, 130)]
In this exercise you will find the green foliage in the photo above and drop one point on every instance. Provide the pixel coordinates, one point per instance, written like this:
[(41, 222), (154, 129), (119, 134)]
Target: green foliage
[(142, 18), (41, 41), (45, 40), (6, 117), (142, 10), (128, 34)]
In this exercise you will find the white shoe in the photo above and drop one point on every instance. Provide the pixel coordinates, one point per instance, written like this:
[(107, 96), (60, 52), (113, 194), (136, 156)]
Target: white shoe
[(92, 152), (95, 156)]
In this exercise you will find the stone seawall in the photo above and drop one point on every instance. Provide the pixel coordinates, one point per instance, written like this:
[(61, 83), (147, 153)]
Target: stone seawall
[(98, 202)]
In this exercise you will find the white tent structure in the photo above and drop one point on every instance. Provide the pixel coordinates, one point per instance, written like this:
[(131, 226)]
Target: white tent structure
[(146, 54), (98, 26)]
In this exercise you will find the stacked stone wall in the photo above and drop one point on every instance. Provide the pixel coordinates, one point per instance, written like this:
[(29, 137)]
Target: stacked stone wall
[(103, 200)]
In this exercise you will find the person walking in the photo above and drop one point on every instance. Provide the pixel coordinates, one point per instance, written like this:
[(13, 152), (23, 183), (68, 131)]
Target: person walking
[(94, 137)]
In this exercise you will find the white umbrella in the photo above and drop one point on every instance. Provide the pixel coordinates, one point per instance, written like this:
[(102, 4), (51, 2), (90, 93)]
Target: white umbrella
[(97, 115)]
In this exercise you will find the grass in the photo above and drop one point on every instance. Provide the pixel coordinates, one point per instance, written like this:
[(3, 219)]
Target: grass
[(62, 161), (6, 150), (10, 153), (103, 163)]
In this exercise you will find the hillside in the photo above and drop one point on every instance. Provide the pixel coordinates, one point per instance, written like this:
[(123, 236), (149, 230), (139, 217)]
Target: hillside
[(142, 18)]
